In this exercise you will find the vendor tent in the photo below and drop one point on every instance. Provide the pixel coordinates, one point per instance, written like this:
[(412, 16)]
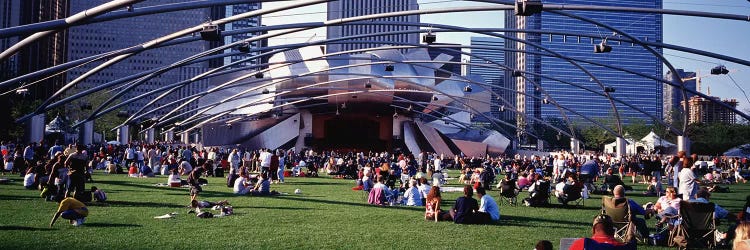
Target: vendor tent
[(653, 143), (649, 144), (739, 151)]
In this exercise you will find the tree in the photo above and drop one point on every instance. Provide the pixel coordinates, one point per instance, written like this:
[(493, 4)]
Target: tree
[(716, 138)]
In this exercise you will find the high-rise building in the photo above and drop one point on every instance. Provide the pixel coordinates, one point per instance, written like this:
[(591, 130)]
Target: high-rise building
[(493, 75), (453, 68), (643, 93), (219, 12), (703, 110), (93, 39), (673, 95), (351, 8), (46, 52)]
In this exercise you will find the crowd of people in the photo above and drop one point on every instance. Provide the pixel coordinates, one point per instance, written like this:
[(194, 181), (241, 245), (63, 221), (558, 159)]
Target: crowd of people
[(411, 180)]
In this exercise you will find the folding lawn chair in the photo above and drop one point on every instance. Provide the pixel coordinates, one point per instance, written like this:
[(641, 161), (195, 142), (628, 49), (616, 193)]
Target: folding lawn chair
[(508, 192), (619, 211), (696, 226)]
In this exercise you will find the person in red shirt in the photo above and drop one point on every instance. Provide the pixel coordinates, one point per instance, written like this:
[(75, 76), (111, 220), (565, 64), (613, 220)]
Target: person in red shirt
[(603, 235)]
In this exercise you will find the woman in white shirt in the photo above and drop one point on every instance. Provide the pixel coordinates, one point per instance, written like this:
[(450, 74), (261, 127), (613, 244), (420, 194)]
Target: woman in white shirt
[(412, 195), (241, 185)]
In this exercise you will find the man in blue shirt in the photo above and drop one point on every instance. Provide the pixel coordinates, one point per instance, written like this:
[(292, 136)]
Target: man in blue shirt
[(589, 170), (28, 152), (54, 149), (488, 209), (635, 209)]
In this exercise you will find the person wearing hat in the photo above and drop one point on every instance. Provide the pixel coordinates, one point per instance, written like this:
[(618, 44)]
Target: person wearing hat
[(602, 233)]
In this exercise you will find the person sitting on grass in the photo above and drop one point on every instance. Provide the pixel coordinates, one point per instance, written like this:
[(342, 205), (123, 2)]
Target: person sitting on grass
[(424, 189), (99, 195), (242, 184), (412, 196), (146, 171), (263, 187), (488, 210), (602, 236), (71, 209), (28, 179), (463, 211), (432, 206), (133, 170)]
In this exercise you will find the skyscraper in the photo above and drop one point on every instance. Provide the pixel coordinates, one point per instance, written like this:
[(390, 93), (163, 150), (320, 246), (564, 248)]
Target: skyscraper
[(102, 37), (351, 8), (638, 91), (673, 95), (493, 75), (46, 52)]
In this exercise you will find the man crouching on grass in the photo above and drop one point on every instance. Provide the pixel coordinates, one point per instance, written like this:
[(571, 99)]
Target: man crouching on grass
[(71, 209)]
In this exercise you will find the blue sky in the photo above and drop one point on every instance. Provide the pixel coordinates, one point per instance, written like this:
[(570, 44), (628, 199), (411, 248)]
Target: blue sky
[(718, 36)]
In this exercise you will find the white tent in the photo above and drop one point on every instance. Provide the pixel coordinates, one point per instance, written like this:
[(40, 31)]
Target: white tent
[(630, 147), (648, 143), (653, 141)]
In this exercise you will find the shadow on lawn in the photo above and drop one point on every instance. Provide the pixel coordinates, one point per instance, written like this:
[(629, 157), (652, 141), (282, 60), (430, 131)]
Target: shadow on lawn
[(110, 225), (122, 183), (18, 197), (307, 183), (514, 220), (345, 203), (22, 228), (276, 208), (141, 204)]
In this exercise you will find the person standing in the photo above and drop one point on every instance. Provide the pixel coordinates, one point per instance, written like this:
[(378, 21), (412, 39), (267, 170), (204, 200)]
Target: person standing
[(265, 161), (76, 162), (274, 167), (129, 155), (54, 149), (282, 161), (234, 161), (688, 181)]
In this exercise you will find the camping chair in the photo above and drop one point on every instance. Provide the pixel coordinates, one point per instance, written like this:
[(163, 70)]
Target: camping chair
[(619, 211), (590, 244), (573, 194), (508, 192), (696, 227), (540, 196)]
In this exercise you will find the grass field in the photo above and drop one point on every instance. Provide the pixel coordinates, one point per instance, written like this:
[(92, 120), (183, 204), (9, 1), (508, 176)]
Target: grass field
[(326, 215)]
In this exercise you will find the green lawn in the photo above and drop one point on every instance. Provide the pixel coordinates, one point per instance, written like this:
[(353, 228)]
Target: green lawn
[(328, 214)]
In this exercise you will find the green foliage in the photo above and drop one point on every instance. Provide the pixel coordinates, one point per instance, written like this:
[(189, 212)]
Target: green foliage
[(715, 139), (637, 128), (19, 108), (552, 137), (327, 215)]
